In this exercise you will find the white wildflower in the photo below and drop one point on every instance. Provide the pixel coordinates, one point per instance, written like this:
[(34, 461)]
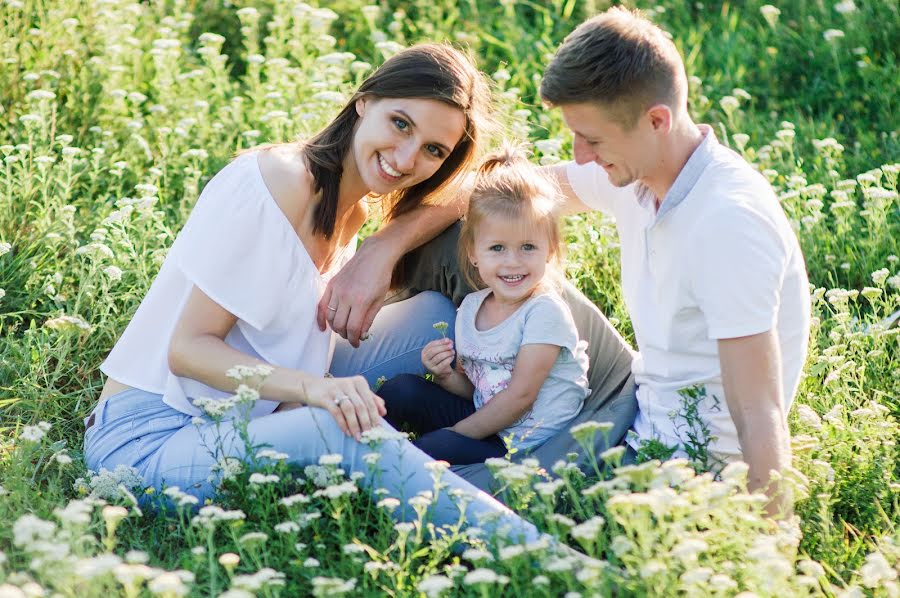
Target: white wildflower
[(66, 322), (294, 499), (589, 530), (879, 276), (481, 575), (331, 459), (477, 554), (729, 104), (329, 97), (876, 571), (169, 584), (331, 586), (260, 479), (435, 585), (114, 272), (287, 527), (845, 7)]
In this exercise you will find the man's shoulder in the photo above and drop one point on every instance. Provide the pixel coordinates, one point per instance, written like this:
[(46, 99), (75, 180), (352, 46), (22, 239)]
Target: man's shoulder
[(730, 174)]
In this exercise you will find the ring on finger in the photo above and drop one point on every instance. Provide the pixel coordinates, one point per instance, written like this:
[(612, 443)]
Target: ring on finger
[(340, 399), (332, 308)]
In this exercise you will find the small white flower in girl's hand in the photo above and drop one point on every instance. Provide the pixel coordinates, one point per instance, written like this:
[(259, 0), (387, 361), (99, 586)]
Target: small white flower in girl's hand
[(441, 327)]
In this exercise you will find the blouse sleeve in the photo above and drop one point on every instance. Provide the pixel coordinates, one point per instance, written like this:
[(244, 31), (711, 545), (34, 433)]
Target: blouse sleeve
[(239, 249)]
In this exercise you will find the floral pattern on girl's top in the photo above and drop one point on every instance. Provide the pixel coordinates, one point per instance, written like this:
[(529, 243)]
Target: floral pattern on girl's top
[(490, 376), (488, 358)]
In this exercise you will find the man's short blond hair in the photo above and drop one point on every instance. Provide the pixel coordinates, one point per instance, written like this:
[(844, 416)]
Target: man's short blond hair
[(620, 60)]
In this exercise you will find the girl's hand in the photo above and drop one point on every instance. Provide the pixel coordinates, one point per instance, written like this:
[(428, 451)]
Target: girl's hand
[(437, 357), (349, 400)]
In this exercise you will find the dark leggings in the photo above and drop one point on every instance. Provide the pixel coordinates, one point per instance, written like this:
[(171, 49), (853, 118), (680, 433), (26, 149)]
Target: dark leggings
[(424, 408)]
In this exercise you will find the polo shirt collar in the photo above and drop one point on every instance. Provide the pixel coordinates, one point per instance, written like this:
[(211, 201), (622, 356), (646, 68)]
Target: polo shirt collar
[(687, 178)]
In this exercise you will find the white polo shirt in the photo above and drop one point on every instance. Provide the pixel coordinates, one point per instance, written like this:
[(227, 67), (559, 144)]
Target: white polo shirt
[(718, 260)]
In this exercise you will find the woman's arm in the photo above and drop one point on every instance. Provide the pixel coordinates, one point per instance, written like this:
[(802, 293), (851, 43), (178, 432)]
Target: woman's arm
[(533, 365), (197, 350)]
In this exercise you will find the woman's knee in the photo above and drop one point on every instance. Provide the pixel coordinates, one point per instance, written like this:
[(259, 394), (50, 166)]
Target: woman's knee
[(303, 433)]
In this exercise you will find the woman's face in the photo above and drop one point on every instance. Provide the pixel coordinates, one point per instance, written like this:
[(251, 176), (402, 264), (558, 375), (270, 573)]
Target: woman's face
[(402, 141)]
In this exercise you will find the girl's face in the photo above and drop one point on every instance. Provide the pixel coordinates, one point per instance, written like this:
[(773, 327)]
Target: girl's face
[(511, 257), (400, 142)]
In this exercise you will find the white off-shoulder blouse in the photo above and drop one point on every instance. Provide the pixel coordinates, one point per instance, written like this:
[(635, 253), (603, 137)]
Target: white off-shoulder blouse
[(239, 248)]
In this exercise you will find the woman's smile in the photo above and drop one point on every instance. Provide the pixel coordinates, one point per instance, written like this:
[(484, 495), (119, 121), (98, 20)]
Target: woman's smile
[(386, 171)]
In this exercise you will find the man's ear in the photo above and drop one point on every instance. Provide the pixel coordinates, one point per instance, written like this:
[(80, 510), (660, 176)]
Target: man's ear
[(660, 118)]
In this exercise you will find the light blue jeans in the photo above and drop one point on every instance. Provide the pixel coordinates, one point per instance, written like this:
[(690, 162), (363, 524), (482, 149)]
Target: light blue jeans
[(137, 429)]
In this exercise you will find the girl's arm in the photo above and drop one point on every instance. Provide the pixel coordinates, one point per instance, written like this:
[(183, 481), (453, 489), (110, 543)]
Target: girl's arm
[(197, 350), (457, 383), (437, 357), (533, 365)]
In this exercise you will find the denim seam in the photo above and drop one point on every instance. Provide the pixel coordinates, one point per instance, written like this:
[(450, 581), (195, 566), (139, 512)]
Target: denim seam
[(392, 359)]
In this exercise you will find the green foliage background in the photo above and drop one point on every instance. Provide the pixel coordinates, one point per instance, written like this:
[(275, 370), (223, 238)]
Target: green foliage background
[(153, 120)]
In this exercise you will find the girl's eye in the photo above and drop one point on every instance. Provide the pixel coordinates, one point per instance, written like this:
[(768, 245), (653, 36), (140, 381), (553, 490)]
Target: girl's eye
[(434, 150), (401, 124), (495, 248), (529, 247)]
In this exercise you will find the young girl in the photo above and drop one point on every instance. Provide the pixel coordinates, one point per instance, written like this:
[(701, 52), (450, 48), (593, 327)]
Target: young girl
[(521, 372)]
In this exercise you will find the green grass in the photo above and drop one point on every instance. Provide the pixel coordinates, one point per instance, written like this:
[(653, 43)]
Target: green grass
[(97, 178)]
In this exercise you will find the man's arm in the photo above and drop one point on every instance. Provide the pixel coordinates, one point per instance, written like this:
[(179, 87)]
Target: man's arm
[(356, 293), (751, 375)]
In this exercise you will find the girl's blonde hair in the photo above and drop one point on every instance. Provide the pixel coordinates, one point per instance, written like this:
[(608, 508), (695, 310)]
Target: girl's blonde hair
[(508, 185)]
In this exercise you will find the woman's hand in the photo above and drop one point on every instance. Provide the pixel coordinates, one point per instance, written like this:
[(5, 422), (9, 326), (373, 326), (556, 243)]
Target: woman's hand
[(349, 400), (437, 357)]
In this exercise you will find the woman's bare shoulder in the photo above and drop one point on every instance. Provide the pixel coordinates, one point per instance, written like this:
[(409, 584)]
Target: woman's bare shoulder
[(287, 178)]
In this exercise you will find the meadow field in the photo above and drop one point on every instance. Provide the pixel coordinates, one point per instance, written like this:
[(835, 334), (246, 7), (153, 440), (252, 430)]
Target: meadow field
[(114, 115)]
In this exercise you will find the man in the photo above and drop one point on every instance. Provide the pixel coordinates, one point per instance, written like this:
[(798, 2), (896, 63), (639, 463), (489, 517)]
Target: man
[(712, 273)]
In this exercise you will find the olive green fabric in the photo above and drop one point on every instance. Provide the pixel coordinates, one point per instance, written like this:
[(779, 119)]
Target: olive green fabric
[(434, 267)]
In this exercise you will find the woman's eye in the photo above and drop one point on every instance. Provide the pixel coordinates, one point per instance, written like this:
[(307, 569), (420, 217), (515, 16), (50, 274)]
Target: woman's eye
[(434, 151), (401, 124)]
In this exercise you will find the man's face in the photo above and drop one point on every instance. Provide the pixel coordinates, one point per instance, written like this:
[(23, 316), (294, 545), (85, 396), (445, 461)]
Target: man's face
[(602, 138)]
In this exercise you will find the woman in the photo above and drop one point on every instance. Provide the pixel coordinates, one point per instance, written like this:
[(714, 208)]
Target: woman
[(241, 283)]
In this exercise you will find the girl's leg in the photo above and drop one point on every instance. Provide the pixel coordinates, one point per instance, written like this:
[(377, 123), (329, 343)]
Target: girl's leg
[(421, 406), (398, 335), (457, 449), (428, 410)]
